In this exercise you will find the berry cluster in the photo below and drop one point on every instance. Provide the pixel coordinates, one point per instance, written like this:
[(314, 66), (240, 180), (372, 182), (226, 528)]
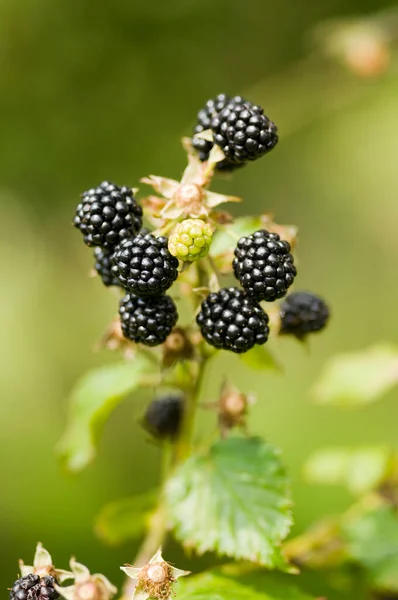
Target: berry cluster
[(146, 265), (131, 258)]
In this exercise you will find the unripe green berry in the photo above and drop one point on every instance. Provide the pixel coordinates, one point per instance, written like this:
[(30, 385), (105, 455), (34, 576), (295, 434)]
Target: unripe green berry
[(190, 240)]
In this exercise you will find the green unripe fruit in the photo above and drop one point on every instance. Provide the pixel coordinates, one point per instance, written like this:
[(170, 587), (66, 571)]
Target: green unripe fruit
[(190, 240)]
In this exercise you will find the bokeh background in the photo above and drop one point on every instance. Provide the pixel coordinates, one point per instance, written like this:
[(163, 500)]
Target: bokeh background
[(104, 90)]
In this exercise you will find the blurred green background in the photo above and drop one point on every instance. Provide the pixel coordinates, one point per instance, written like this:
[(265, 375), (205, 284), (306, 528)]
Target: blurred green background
[(104, 90)]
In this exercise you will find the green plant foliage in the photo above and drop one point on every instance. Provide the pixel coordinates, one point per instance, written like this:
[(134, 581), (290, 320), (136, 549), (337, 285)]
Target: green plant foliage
[(95, 396), (372, 538), (126, 518), (358, 378), (233, 500), (360, 470), (260, 358), (219, 585), (224, 240)]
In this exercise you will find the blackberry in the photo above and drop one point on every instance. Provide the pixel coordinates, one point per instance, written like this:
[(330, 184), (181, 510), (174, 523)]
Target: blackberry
[(143, 265), (32, 587), (229, 320), (264, 266), (240, 129), (303, 313), (149, 320), (107, 214), (103, 266), (163, 416)]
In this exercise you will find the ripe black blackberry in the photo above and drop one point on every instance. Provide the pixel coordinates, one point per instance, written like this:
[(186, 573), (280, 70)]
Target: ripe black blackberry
[(107, 214), (143, 265), (32, 587), (103, 266), (302, 313), (264, 266), (231, 321), (240, 129), (147, 320), (163, 417)]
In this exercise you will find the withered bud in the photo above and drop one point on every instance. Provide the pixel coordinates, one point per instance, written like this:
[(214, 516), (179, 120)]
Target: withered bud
[(43, 565), (87, 591), (156, 580), (177, 347), (232, 408), (86, 586), (367, 55), (113, 338), (189, 195)]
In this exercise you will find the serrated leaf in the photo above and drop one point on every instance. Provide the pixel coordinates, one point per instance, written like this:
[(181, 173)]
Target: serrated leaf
[(358, 378), (218, 585), (222, 240), (373, 542), (360, 469), (126, 518), (260, 358), (234, 500), (93, 399)]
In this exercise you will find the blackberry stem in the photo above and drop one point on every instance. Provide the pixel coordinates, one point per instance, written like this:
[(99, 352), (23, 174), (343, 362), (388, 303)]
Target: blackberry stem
[(184, 443), (172, 455)]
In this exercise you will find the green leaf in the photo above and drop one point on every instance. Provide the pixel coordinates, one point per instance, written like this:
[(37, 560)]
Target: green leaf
[(234, 500), (95, 396), (373, 542), (260, 359), (126, 518), (219, 585), (223, 241), (358, 378), (360, 470)]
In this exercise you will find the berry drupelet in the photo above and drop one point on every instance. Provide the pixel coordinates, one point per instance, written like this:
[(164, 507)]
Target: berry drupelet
[(103, 266), (239, 128), (32, 587), (231, 321), (148, 320), (303, 313), (163, 416), (144, 266), (264, 266), (107, 214)]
